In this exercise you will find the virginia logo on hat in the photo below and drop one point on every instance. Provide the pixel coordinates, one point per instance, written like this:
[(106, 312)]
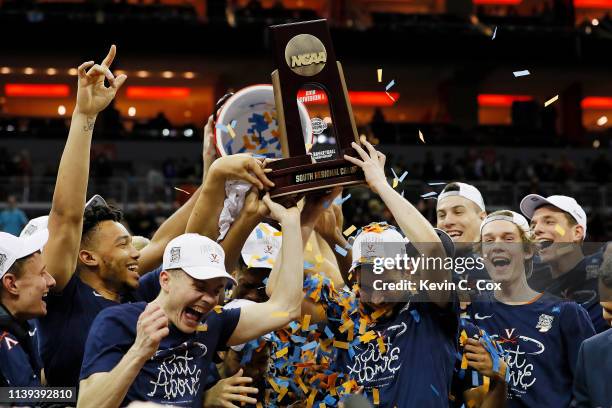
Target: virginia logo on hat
[(214, 258)]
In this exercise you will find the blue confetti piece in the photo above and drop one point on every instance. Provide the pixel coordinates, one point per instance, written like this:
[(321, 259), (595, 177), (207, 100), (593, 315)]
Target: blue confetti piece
[(329, 400), (259, 233), (309, 346), (475, 381), (294, 325), (328, 333), (340, 200), (394, 173), (298, 339), (326, 204), (221, 126), (259, 156), (430, 194), (435, 391), (403, 176), (308, 265), (390, 85), (265, 281), (340, 250), (234, 123), (556, 309), (415, 315), (312, 327)]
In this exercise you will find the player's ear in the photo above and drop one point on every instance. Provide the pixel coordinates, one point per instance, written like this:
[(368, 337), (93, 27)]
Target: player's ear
[(88, 258), (578, 231), (482, 215), (164, 280)]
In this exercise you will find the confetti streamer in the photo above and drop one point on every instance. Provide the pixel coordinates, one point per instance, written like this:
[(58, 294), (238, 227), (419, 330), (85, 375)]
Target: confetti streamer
[(379, 74), (560, 230), (282, 394), (394, 173), (341, 344), (494, 33), (430, 194), (390, 85), (524, 72), (437, 184), (349, 230), (305, 322), (551, 100), (340, 250), (341, 200), (421, 136), (376, 396), (182, 191), (390, 96), (403, 176), (434, 390)]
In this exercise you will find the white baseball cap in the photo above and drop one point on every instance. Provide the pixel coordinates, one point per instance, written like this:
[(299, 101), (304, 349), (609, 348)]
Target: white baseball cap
[(34, 225), (40, 223), (531, 202), (516, 218), (13, 248), (466, 191), (262, 247), (370, 243), (199, 256)]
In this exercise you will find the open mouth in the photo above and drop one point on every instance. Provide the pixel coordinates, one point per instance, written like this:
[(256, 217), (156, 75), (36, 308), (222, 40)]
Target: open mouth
[(545, 243), (500, 261), (454, 233), (133, 268), (194, 314)]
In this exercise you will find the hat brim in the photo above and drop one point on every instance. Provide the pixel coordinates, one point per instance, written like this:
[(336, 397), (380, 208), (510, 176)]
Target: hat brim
[(205, 273), (532, 201), (32, 243), (254, 263)]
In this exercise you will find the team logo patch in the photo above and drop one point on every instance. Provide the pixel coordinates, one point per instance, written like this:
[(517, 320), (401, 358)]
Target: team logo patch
[(544, 323), (214, 258), (268, 249), (175, 254)]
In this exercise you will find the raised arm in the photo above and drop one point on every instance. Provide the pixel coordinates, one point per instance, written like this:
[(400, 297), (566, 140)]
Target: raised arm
[(284, 305), (329, 226), (175, 225), (416, 228), (66, 216), (205, 215)]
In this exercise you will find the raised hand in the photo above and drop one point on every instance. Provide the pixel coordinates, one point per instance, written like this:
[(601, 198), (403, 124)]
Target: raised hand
[(279, 212), (92, 95), (151, 328), (230, 390), (480, 360), (209, 152), (372, 164), (242, 167)]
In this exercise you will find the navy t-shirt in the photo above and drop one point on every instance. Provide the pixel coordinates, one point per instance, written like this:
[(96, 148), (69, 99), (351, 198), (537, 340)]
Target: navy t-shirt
[(579, 284), (19, 360), (542, 339), (416, 368), (178, 370), (69, 316)]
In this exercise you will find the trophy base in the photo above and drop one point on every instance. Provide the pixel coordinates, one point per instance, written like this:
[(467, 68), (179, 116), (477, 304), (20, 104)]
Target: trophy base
[(298, 175)]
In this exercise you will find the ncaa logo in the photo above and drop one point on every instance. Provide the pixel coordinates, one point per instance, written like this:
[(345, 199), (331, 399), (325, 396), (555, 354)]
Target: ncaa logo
[(3, 258), (175, 254)]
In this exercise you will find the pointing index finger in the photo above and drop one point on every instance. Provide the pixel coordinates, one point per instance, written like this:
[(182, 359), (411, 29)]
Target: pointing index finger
[(108, 60)]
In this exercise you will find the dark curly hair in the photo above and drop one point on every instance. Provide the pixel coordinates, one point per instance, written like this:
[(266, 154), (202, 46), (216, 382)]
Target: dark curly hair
[(95, 215)]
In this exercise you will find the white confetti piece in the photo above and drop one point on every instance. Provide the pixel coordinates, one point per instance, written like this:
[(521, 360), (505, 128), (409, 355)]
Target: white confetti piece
[(494, 33), (379, 74), (524, 72), (551, 100), (421, 136)]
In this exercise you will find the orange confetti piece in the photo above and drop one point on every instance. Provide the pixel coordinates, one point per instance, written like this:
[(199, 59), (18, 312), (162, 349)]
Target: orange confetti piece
[(230, 129), (463, 337), (301, 384), (351, 335), (282, 352), (282, 393), (202, 327), (311, 398), (375, 396), (341, 344), (381, 345), (395, 182), (306, 322), (362, 326), (378, 313), (486, 381), (278, 234), (464, 362), (369, 336), (347, 325), (273, 384), (322, 405), (349, 230), (218, 308)]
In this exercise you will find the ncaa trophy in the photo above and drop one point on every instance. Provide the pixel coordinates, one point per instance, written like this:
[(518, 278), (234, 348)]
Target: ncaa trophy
[(307, 70)]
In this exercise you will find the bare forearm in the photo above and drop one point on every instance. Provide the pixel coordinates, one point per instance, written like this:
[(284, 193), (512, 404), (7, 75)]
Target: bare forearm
[(292, 268), (107, 390), (204, 217)]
